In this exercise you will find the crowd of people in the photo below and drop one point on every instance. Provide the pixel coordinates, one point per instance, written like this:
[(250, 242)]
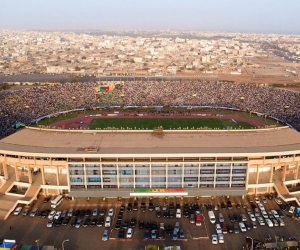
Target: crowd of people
[(27, 104)]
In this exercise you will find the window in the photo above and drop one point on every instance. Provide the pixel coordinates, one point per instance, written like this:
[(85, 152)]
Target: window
[(206, 178), (238, 178), (239, 171), (223, 171), (190, 179), (222, 178), (208, 171)]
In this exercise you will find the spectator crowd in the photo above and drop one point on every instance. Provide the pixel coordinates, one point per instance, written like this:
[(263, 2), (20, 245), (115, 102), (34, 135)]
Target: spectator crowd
[(27, 104)]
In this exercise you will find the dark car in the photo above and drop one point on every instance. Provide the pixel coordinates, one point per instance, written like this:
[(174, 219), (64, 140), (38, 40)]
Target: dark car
[(238, 205), (40, 213), (197, 208), (129, 207), (153, 226), (171, 205), (93, 222), (86, 222), (236, 217), (65, 221), (166, 214), (132, 222), (47, 199), (88, 212), (169, 230), (148, 226), (192, 210), (177, 206), (223, 206), (58, 222), (253, 206), (100, 222), (158, 214), (135, 206), (231, 218), (270, 196), (120, 216), (230, 228), (118, 225), (147, 235), (82, 212), (122, 208), (151, 206), (102, 212), (185, 213), (141, 224), (76, 213), (160, 234), (282, 207), (73, 222), (143, 206), (121, 234), (172, 214), (125, 224), (229, 206), (45, 213)]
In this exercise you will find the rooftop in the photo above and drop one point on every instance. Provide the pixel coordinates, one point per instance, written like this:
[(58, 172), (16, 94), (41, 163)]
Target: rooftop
[(61, 142)]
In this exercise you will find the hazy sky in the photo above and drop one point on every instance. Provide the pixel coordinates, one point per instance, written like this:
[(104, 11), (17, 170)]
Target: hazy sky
[(273, 16)]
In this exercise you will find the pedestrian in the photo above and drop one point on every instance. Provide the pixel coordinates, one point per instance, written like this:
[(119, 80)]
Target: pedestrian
[(10, 227)]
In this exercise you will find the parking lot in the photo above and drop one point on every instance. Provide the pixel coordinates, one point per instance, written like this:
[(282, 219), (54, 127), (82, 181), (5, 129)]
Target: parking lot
[(27, 229)]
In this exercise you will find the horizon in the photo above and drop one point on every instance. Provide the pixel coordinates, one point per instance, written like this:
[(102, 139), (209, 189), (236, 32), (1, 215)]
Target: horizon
[(232, 16)]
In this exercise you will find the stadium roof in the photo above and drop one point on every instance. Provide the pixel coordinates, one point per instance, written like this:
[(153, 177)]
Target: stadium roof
[(39, 141)]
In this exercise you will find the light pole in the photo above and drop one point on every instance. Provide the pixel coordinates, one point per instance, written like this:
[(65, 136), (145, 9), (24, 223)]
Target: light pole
[(37, 244), (252, 247), (62, 244)]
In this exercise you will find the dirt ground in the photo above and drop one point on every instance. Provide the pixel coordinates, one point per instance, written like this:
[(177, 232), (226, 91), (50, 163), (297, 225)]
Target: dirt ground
[(82, 121)]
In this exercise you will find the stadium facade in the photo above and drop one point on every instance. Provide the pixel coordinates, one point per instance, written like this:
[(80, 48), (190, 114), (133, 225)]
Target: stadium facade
[(86, 163)]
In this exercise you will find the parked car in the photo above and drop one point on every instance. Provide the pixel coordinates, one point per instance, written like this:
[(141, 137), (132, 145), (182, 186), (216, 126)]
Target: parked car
[(87, 222), (18, 210), (129, 233), (279, 202), (65, 221), (70, 212), (100, 222), (50, 223), (111, 212), (95, 212), (57, 215), (214, 239), (34, 212), (175, 235), (26, 211), (121, 234), (218, 229), (242, 227), (221, 238), (105, 235)]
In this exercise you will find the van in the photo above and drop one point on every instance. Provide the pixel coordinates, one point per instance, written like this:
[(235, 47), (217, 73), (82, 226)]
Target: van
[(107, 221), (212, 217)]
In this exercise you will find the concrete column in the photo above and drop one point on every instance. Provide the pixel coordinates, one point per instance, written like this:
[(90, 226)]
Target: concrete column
[(198, 175), (295, 174), (43, 175), (5, 172), (118, 176), (133, 169), (271, 175), (29, 175), (182, 176), (284, 172), (57, 176), (257, 176), (167, 176), (16, 173), (150, 173)]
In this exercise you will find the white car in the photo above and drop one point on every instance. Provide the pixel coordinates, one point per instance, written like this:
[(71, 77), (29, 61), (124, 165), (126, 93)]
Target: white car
[(214, 239), (178, 213), (51, 215), (129, 233), (50, 223), (274, 212), (261, 207), (264, 199), (242, 227), (111, 212), (105, 235), (165, 207), (221, 238), (291, 210), (95, 212), (269, 223), (257, 200), (18, 210), (221, 218), (57, 215), (218, 229), (252, 217), (265, 214), (261, 221), (279, 202)]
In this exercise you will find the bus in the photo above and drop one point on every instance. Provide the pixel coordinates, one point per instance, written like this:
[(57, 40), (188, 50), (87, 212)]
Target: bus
[(56, 201)]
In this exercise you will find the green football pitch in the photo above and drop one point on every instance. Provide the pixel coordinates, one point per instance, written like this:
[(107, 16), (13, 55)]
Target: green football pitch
[(166, 123)]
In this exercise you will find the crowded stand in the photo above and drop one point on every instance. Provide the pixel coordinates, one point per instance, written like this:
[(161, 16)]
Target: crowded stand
[(28, 104)]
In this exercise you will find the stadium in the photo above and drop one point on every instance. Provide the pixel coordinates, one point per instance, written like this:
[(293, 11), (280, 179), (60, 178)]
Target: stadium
[(150, 162)]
